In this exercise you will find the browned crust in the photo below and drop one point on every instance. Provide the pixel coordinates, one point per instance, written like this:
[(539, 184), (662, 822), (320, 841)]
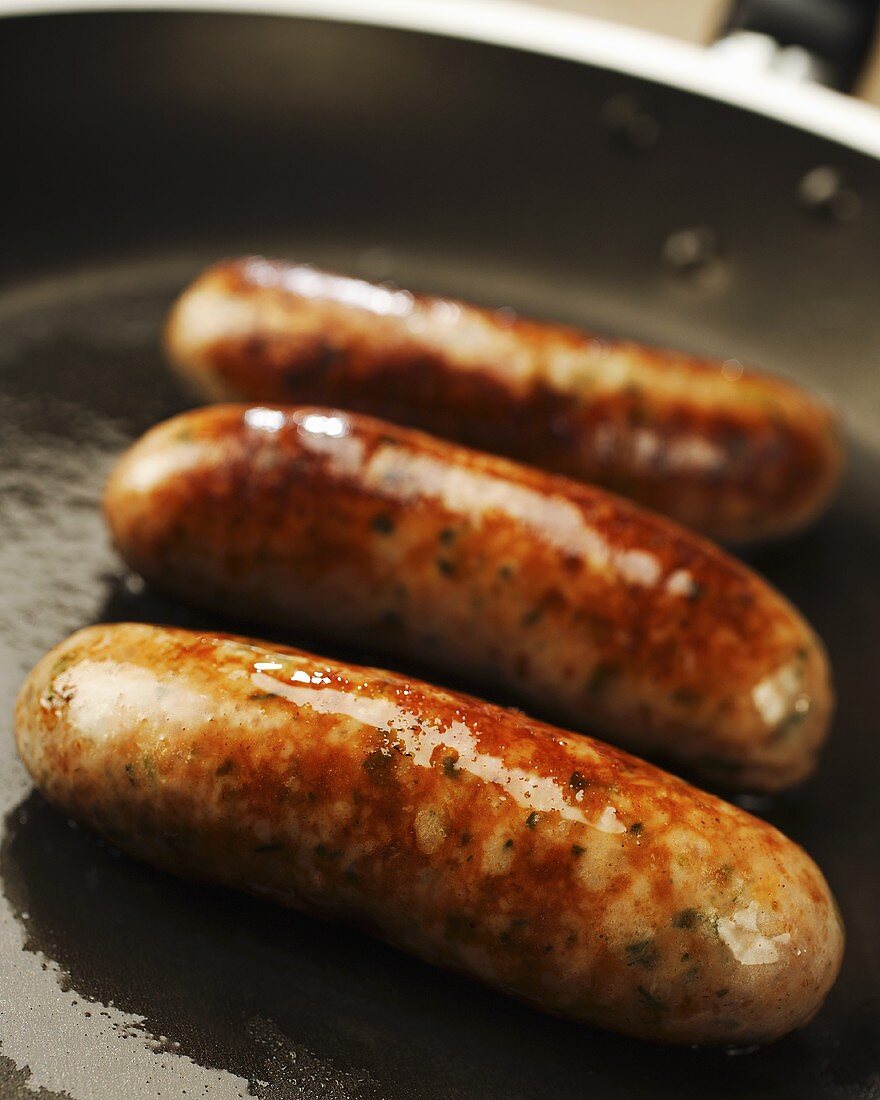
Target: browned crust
[(165, 741), (740, 458), (585, 606)]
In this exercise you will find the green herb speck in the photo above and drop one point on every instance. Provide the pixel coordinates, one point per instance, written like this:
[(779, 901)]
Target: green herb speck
[(687, 918), (450, 767), (578, 782), (446, 567), (382, 523), (601, 676), (654, 1003), (378, 765), (643, 953), (532, 819), (637, 828)]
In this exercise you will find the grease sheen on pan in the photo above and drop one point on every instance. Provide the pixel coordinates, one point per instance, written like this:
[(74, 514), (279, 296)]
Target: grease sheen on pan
[(734, 453), (581, 605), (548, 865)]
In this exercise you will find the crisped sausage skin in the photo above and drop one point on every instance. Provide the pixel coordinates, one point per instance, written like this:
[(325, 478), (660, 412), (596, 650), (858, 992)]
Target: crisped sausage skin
[(736, 454), (588, 609), (550, 866)]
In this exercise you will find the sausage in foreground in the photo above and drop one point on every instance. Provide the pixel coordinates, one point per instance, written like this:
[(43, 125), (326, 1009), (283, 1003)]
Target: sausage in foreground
[(545, 864), (731, 452), (579, 605)]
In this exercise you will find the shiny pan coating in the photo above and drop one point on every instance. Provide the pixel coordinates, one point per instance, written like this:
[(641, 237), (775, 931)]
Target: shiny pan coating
[(578, 604), (550, 866), (734, 453)]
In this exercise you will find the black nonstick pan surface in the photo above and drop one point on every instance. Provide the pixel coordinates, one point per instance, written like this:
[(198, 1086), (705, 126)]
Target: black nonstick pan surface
[(138, 147)]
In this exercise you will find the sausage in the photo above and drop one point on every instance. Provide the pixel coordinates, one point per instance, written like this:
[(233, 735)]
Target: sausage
[(550, 866), (586, 608), (735, 454)]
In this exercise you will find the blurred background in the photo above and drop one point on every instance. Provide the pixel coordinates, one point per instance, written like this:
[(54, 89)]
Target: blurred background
[(692, 21)]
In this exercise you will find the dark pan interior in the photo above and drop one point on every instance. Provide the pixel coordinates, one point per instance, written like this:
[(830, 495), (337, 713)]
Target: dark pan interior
[(138, 147)]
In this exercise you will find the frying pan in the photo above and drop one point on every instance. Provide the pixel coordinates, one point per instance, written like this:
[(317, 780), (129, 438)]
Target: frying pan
[(560, 167)]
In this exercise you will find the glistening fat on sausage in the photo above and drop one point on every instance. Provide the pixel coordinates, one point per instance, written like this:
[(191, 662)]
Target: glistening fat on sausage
[(586, 608), (734, 453), (548, 865)]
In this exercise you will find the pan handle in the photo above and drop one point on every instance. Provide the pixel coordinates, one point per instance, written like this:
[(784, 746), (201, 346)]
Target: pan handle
[(822, 40)]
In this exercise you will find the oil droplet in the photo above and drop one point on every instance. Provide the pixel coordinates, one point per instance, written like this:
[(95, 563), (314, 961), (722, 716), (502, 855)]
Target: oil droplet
[(823, 193), (732, 370), (688, 250), (694, 256), (628, 124)]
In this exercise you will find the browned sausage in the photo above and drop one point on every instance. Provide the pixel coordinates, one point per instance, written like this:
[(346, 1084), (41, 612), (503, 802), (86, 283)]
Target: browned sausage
[(586, 607), (550, 866), (735, 454)]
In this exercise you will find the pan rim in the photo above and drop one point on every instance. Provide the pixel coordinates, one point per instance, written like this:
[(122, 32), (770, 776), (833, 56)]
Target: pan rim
[(569, 36)]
